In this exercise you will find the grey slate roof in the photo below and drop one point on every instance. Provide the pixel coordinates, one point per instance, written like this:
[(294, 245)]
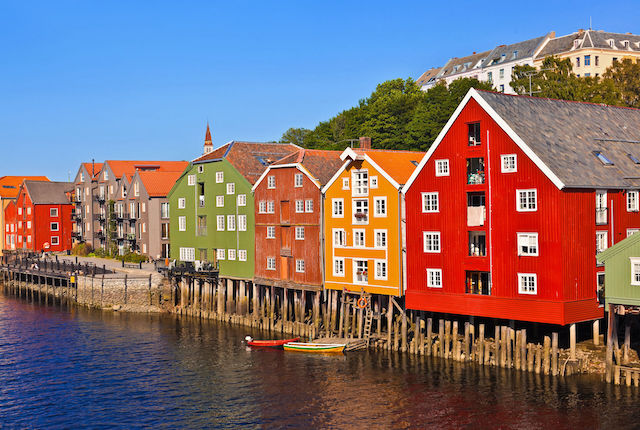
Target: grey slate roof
[(564, 135), (591, 39), (48, 193), (513, 52), (460, 65), (557, 45), (599, 39)]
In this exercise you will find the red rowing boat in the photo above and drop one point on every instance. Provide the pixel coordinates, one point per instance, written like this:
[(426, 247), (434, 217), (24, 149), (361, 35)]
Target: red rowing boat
[(269, 343)]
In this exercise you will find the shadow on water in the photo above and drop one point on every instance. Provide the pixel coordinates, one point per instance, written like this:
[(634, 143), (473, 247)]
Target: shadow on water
[(80, 368)]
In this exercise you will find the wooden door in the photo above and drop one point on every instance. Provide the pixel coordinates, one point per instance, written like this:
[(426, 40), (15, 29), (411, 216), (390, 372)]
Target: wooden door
[(285, 241), (284, 212), (284, 267)]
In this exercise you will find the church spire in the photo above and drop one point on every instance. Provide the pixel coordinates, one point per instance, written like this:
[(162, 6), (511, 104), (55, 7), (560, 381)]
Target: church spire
[(208, 144)]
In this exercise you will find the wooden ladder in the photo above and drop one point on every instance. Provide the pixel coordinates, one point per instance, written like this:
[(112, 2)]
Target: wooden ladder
[(368, 320)]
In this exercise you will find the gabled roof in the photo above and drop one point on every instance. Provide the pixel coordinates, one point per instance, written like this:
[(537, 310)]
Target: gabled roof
[(560, 137), (48, 193), (591, 39), (249, 158), (514, 52), (395, 166), (619, 247), (10, 185), (428, 76), (464, 64), (96, 167), (557, 45), (129, 167), (600, 39), (158, 184)]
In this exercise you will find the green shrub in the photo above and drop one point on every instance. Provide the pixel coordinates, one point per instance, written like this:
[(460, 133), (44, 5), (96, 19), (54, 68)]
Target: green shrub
[(82, 249)]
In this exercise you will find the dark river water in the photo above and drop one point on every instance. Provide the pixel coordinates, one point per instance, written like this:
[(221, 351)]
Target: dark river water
[(76, 368)]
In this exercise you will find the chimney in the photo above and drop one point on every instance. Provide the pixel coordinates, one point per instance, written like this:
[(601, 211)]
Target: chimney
[(552, 35), (580, 32), (365, 143)]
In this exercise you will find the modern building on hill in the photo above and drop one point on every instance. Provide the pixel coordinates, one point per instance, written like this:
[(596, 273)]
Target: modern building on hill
[(508, 208), (212, 207), (288, 219), (9, 187), (40, 218), (592, 52), (363, 221)]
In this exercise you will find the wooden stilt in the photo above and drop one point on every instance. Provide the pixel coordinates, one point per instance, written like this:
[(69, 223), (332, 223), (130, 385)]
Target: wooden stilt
[(572, 341), (609, 353), (596, 332)]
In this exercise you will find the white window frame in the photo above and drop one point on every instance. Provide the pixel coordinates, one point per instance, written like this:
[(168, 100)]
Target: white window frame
[(442, 167), (55, 240), (527, 192), (341, 235), (377, 264), (271, 232), (187, 254), (373, 182), (242, 223), (299, 233), (380, 233), (53, 212), (220, 254), (299, 206), (182, 203), (242, 255), (345, 183), (631, 231), (360, 186), (182, 223), (51, 224), (219, 201), (300, 266), (334, 213), (231, 223), (359, 235), (428, 205), (635, 280), (28, 225), (242, 199), (308, 205), (220, 222), (354, 210), (432, 280), (377, 214), (271, 182), (231, 254), (509, 169), (602, 236), (271, 263), (219, 177), (200, 168), (632, 201), (521, 237), (521, 288), (231, 188), (435, 234), (271, 207), (191, 180), (298, 180), (262, 207), (340, 273)]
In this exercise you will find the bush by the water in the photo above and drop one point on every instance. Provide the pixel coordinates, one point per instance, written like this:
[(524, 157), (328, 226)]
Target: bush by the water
[(82, 249)]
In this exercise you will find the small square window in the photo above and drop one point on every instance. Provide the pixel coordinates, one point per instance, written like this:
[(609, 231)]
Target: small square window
[(527, 200), (434, 278), (430, 203), (442, 167), (55, 240), (431, 241), (55, 226), (53, 212), (200, 168), (528, 244), (509, 163), (373, 182), (345, 183), (527, 283)]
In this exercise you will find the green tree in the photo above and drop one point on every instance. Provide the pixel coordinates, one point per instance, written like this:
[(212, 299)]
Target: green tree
[(625, 77), (297, 136)]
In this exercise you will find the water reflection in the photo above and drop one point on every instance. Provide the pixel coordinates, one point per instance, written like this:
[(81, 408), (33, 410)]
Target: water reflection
[(79, 368)]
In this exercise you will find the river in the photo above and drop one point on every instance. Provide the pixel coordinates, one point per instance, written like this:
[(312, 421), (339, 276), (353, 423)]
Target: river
[(77, 368)]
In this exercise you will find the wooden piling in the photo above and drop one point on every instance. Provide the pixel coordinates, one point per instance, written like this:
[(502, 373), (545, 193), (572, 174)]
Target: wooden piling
[(572, 341), (480, 348), (554, 353), (429, 336), (596, 332), (545, 355)]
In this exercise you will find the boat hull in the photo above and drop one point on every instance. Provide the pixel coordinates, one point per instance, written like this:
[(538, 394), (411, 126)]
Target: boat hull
[(271, 343), (318, 348)]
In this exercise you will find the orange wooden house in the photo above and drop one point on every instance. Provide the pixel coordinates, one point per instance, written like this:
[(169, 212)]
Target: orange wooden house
[(362, 220)]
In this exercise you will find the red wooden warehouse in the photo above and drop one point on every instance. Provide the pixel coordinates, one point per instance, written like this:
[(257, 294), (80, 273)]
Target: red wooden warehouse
[(506, 211), (40, 218), (288, 202)]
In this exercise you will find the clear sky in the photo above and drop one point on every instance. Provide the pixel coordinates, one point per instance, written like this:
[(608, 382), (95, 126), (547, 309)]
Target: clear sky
[(139, 79)]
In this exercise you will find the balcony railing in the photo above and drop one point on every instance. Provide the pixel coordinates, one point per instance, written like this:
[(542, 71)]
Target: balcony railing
[(601, 216), (475, 178), (131, 237), (202, 231), (201, 201)]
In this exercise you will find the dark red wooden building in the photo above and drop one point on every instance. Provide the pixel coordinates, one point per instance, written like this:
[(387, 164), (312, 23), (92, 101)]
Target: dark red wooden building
[(506, 211), (288, 211), (40, 218)]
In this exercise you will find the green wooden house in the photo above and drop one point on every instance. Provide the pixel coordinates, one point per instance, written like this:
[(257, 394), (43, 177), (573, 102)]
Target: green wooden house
[(212, 208), (622, 272)]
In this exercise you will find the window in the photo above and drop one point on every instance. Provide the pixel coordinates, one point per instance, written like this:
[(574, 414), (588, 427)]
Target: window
[(373, 182), (509, 163), (502, 88), (191, 180), (339, 237), (219, 177), (231, 254), (242, 254), (54, 226), (345, 183), (300, 266), (271, 207), (587, 60), (601, 241), (430, 202), (242, 199), (603, 158), (271, 232), (442, 167), (53, 212), (631, 231), (181, 203), (360, 211), (271, 263), (490, 77), (360, 269), (298, 180), (431, 240), (381, 238), (164, 210), (136, 189), (338, 208), (19, 211), (231, 188), (219, 201), (106, 175), (200, 168), (635, 270), (144, 226), (187, 254), (381, 270), (231, 222), (220, 254), (501, 73), (632, 201), (527, 200), (182, 223), (242, 223), (55, 240), (299, 206), (338, 266), (308, 206), (528, 244), (434, 278), (380, 206), (597, 60), (360, 183), (28, 210), (601, 207), (299, 233), (527, 283), (359, 238), (220, 222), (577, 61), (28, 225), (164, 230), (271, 182), (29, 238), (262, 207)]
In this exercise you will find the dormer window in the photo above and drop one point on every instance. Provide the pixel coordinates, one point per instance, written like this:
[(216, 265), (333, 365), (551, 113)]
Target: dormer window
[(503, 57), (633, 158), (576, 43), (515, 54), (603, 158), (611, 43), (625, 44)]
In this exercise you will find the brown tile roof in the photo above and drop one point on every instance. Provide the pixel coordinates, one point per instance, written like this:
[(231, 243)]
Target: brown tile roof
[(158, 184), (47, 193), (10, 185), (95, 166), (320, 163), (249, 158), (397, 164), (129, 167)]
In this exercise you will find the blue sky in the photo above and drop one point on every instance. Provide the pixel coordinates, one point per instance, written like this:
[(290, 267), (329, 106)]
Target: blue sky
[(139, 80)]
